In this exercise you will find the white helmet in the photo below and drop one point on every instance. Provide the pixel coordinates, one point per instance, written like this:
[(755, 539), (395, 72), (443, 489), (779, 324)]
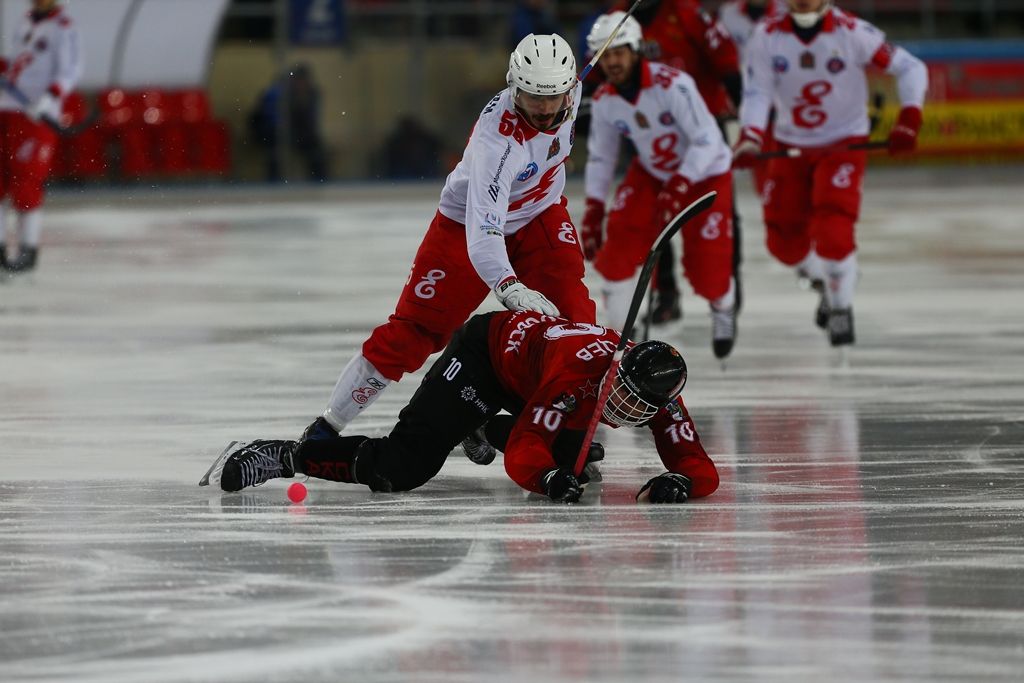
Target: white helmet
[(809, 19), (630, 34), (542, 65)]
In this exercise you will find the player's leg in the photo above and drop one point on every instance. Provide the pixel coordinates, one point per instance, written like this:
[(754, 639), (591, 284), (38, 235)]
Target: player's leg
[(667, 299), (835, 209), (29, 169), (631, 230), (457, 395), (8, 234), (546, 256), (443, 289), (708, 261)]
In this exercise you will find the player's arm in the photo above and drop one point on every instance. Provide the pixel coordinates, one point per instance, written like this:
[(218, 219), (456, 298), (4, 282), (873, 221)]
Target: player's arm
[(757, 99), (603, 144), (690, 472), (70, 64), (698, 125), (911, 83)]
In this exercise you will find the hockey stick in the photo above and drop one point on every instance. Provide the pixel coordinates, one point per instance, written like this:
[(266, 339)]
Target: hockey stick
[(796, 152), (681, 219), (63, 131), (597, 55)]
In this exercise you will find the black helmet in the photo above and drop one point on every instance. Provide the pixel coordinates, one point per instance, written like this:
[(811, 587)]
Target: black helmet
[(650, 375)]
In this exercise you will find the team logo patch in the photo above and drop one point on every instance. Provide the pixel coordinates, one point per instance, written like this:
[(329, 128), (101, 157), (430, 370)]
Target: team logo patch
[(41, 45), (565, 402), (641, 120), (835, 65), (780, 64), (807, 60), (530, 171), (666, 118), (590, 389), (623, 127), (555, 148), (469, 395)]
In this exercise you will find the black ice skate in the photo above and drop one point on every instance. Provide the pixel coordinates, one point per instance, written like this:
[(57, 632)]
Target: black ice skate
[(821, 312), (840, 327), (477, 448), (26, 260), (257, 462), (3, 256), (666, 307), (723, 331)]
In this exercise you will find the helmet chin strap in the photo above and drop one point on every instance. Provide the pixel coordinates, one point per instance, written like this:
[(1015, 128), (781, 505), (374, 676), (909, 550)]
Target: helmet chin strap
[(809, 19)]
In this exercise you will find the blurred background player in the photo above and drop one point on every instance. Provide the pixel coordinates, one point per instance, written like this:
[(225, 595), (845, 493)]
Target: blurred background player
[(45, 66), (502, 225), (546, 372), (739, 18), (810, 65), (681, 155), (681, 34)]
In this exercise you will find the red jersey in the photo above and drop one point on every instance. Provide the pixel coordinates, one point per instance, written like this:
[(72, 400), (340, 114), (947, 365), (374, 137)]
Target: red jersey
[(691, 40), (555, 367)]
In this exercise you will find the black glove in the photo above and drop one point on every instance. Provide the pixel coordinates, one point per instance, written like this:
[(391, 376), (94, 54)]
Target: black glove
[(667, 487), (561, 486)]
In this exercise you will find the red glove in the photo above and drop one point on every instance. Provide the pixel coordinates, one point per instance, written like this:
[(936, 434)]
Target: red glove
[(3, 66), (672, 198), (593, 220), (744, 154), (903, 136)]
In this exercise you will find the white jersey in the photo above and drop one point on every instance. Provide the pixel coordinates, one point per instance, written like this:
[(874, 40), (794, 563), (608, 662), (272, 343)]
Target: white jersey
[(819, 89), (48, 59), (735, 18), (509, 174), (669, 124)]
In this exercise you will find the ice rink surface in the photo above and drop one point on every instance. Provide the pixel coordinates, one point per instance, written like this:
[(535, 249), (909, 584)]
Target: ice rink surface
[(869, 526)]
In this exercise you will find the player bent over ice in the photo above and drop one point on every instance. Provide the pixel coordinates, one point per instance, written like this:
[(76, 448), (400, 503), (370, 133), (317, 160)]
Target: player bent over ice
[(681, 155), (810, 65), (544, 370), (501, 226)]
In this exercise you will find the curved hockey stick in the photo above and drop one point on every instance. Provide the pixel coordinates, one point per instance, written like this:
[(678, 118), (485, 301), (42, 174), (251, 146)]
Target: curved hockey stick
[(681, 219), (795, 152), (63, 131)]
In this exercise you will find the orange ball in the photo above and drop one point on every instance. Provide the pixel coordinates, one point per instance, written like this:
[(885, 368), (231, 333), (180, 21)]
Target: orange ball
[(297, 492)]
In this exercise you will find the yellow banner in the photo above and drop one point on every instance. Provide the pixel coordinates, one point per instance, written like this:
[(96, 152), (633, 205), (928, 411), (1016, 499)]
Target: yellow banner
[(964, 127)]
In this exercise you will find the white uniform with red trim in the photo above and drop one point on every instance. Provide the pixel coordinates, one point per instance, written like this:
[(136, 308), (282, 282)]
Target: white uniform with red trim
[(735, 18), (820, 90), (669, 124), (509, 174), (48, 59)]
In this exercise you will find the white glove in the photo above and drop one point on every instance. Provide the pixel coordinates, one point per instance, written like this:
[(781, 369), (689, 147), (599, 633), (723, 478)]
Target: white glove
[(44, 105), (515, 296)]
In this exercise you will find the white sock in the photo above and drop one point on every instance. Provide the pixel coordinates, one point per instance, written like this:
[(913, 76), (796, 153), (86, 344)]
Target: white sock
[(30, 227), (812, 267), (359, 385), (618, 295), (727, 301), (5, 236), (842, 280)]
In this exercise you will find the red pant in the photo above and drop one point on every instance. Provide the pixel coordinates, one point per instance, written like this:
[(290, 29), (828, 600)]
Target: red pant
[(444, 289), (813, 201), (633, 225), (26, 155)]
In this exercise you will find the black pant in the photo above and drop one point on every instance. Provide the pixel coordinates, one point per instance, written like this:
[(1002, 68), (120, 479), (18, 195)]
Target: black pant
[(459, 393)]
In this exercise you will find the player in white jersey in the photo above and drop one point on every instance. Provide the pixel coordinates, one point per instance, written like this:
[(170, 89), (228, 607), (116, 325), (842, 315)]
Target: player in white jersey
[(502, 226), (810, 65), (44, 68), (681, 155), (739, 17)]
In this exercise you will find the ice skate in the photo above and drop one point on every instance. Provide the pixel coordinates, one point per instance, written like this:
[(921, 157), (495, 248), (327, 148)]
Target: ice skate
[(840, 327), (666, 307), (723, 331), (252, 464), (822, 311), (477, 448), (26, 260)]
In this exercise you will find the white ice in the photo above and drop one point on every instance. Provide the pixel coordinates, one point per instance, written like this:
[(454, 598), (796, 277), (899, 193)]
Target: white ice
[(870, 523)]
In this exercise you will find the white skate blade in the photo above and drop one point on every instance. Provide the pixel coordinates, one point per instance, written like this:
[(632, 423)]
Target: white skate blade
[(212, 476)]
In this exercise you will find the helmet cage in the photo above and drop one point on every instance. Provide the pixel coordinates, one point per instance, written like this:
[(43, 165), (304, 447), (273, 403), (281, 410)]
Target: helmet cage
[(625, 407)]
